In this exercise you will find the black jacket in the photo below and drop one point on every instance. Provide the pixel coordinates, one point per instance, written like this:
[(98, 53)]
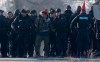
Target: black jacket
[(22, 24), (61, 24), (68, 14), (83, 21), (3, 25), (33, 19)]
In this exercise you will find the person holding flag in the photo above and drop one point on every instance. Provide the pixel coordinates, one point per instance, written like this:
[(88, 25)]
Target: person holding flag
[(84, 25)]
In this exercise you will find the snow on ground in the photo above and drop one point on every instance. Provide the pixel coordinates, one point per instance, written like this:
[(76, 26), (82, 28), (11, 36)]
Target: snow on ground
[(48, 60)]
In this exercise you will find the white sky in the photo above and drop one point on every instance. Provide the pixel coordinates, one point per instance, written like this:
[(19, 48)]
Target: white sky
[(2, 4)]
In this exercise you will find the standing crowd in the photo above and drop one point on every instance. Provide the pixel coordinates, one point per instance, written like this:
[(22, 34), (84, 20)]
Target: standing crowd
[(64, 34)]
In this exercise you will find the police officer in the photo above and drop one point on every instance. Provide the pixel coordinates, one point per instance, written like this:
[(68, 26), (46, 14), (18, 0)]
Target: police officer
[(98, 36), (68, 13), (10, 19), (3, 34), (74, 33), (33, 16), (84, 25), (61, 28), (97, 21), (52, 34), (14, 34), (22, 25), (93, 40)]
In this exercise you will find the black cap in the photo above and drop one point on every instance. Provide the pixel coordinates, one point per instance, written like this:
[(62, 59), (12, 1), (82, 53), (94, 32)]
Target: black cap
[(28, 11), (52, 11), (1, 11), (9, 12), (68, 7), (79, 8), (17, 12), (58, 10), (33, 12), (24, 11)]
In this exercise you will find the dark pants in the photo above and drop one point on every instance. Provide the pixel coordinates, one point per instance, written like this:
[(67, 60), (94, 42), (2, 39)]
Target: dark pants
[(82, 41), (38, 41), (32, 43), (93, 40), (98, 43), (62, 44), (23, 44), (73, 42), (14, 44), (3, 40), (52, 43)]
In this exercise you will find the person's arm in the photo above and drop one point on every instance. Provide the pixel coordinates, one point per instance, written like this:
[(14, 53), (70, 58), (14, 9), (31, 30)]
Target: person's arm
[(14, 24), (74, 23)]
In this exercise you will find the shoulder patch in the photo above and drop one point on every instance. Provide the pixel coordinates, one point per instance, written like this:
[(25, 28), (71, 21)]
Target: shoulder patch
[(83, 18)]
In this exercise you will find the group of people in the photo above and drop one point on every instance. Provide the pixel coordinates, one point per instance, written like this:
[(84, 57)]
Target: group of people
[(64, 34)]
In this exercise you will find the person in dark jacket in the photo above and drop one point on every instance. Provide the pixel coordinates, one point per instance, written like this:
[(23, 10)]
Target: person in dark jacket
[(52, 35), (33, 16), (61, 28), (10, 19), (14, 35), (82, 39), (68, 13), (22, 25), (3, 34), (93, 39), (42, 28), (98, 36), (74, 33)]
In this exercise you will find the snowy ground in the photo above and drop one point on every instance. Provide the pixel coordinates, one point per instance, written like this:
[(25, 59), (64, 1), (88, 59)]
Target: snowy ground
[(48, 60), (52, 59)]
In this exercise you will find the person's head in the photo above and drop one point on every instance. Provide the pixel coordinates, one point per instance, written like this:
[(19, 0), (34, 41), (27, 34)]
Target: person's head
[(33, 12), (1, 12), (23, 12), (68, 7), (28, 11), (46, 10), (91, 7), (10, 14), (17, 12), (79, 9), (52, 13), (51, 9), (83, 11), (44, 14), (58, 12)]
